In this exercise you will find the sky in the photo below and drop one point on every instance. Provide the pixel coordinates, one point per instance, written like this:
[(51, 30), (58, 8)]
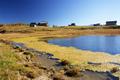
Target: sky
[(59, 12)]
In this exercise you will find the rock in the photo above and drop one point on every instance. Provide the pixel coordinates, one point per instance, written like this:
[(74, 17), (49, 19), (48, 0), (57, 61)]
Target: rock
[(43, 77)]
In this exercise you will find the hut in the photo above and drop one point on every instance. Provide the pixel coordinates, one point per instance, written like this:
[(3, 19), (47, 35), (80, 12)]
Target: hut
[(2, 31), (72, 24), (1, 25), (111, 23), (33, 24), (43, 23), (97, 24)]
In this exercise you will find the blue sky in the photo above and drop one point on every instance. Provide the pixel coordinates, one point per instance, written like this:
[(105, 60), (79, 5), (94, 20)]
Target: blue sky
[(59, 12)]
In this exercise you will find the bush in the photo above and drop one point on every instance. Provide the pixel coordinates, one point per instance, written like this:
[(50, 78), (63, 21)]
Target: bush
[(71, 73), (28, 53), (20, 49), (64, 62), (32, 75), (1, 25), (3, 31), (57, 78), (114, 70), (29, 72), (16, 47)]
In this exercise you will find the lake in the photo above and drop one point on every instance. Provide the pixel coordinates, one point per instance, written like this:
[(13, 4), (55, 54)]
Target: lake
[(96, 43)]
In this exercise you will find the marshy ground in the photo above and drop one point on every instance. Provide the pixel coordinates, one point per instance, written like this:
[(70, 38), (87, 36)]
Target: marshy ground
[(36, 38)]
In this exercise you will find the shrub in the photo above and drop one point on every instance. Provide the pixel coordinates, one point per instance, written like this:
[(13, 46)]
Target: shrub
[(114, 70), (71, 73), (28, 53), (16, 47), (64, 62), (57, 78), (20, 50), (29, 72), (3, 31), (32, 75), (66, 68), (1, 25)]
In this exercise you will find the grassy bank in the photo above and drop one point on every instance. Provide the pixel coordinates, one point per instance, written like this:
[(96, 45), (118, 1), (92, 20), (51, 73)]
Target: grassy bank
[(75, 56), (35, 36), (12, 64), (19, 64)]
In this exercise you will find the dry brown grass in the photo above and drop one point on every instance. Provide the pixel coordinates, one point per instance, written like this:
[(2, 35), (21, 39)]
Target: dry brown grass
[(75, 56)]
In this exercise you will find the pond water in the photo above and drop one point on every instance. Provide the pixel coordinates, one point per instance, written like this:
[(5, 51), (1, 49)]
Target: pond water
[(96, 43)]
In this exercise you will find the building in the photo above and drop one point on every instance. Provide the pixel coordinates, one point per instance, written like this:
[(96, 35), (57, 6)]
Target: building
[(97, 24), (43, 23), (1, 25), (33, 24), (72, 24), (111, 23)]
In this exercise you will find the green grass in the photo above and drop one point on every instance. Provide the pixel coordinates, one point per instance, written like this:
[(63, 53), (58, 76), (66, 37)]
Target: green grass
[(8, 63), (12, 66)]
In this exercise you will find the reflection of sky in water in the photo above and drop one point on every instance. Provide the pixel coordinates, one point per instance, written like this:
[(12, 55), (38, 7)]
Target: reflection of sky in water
[(110, 44)]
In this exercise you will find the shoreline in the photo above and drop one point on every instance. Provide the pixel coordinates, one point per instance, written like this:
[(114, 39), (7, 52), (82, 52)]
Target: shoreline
[(52, 45), (86, 72), (75, 56), (106, 66), (54, 38)]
